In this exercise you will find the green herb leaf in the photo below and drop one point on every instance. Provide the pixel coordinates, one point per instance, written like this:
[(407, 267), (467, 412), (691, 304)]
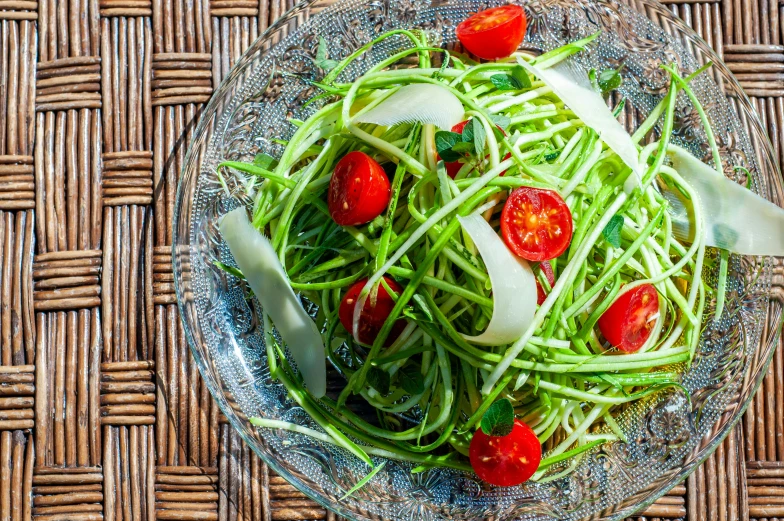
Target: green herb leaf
[(505, 82), (468, 132), (378, 380), (446, 140), (265, 161), (499, 418), (521, 75), (480, 136), (449, 156), (500, 120), (444, 143), (552, 155), (612, 232), (610, 79), (463, 148), (411, 379), (321, 60)]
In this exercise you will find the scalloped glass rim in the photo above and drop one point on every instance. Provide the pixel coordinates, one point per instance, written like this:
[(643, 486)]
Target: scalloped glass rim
[(189, 243)]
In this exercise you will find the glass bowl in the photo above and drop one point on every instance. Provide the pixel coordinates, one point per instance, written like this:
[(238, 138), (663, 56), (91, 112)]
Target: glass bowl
[(668, 434)]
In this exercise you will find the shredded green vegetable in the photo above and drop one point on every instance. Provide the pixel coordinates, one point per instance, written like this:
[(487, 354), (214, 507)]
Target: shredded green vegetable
[(430, 387)]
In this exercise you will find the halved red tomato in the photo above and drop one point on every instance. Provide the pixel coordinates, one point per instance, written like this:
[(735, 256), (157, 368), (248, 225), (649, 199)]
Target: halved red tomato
[(547, 269), (372, 318), (493, 33), (506, 461), (628, 322), (536, 224), (358, 191), (453, 167)]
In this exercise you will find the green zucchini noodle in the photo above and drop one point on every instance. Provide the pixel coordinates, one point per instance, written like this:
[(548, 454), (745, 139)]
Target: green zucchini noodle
[(562, 378)]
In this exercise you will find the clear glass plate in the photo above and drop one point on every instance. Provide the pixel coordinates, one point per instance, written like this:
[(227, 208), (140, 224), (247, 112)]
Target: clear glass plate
[(668, 434)]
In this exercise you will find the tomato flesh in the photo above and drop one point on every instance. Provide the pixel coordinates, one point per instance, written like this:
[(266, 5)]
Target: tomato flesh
[(506, 461), (493, 33), (536, 224), (372, 318), (628, 322), (358, 191), (547, 269), (453, 167)]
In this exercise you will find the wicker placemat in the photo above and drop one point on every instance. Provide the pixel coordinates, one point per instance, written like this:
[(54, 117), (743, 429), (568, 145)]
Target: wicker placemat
[(102, 413)]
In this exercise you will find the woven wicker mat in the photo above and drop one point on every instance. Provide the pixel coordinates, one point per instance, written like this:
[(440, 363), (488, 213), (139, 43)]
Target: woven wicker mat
[(102, 413)]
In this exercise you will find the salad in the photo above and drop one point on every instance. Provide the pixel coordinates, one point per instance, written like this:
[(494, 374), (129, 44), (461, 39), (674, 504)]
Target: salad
[(498, 267)]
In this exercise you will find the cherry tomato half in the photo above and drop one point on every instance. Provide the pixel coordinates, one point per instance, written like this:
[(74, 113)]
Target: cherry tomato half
[(453, 167), (547, 269), (536, 224), (493, 33), (506, 461), (372, 318), (358, 191), (628, 322)]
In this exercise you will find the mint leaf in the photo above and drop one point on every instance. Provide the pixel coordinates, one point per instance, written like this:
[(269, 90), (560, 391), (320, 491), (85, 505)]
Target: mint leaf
[(499, 120), (610, 79), (479, 136), (473, 134), (468, 132), (411, 380), (378, 380), (612, 232), (499, 418), (444, 143), (265, 161), (449, 156), (463, 148), (446, 140), (321, 60), (505, 82), (521, 75)]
